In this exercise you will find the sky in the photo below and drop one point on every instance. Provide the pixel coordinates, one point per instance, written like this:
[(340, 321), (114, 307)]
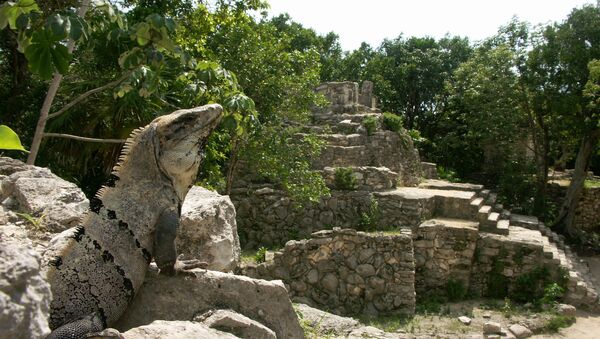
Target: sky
[(372, 21)]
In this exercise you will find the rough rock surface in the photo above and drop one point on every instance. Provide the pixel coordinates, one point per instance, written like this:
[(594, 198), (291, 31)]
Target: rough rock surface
[(326, 323), (24, 295), (208, 230), (56, 203), (183, 297), (520, 331), (235, 323), (160, 329)]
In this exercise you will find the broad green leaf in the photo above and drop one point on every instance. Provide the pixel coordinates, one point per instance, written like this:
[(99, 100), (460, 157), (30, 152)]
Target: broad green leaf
[(132, 58), (10, 11), (61, 58), (45, 54), (10, 140), (59, 25), (142, 34)]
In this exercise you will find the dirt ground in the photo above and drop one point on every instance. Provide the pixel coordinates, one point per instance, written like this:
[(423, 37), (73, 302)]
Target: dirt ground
[(444, 323), (587, 325)]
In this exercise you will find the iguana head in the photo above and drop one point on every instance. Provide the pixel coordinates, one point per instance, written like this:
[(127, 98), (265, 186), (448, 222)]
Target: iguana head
[(180, 138)]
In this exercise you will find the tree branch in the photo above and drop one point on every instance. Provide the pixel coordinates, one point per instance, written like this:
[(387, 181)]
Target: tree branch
[(75, 137), (87, 94)]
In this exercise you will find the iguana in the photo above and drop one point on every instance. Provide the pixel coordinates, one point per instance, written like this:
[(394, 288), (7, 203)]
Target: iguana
[(132, 220)]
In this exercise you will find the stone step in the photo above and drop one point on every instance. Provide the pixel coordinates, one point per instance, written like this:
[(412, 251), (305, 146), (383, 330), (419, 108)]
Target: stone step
[(346, 127), (450, 186), (484, 193), (490, 224), (498, 208), (344, 139), (491, 199), (503, 227), (366, 178), (525, 221), (483, 213), (336, 118)]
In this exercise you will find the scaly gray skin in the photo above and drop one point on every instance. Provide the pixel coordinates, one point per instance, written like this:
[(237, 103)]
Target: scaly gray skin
[(131, 220)]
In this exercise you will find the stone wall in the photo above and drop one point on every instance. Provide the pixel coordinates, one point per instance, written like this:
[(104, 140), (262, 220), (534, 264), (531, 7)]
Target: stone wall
[(366, 178), (348, 272), (268, 217), (443, 253), (587, 213), (382, 149)]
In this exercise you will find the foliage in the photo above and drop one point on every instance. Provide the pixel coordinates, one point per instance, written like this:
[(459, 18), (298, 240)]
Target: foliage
[(392, 122), (345, 179), (447, 174), (556, 322), (370, 124), (283, 156), (370, 217), (9, 140), (455, 290), (552, 294), (259, 256)]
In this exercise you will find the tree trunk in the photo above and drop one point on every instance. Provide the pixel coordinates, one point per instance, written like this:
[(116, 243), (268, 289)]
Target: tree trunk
[(56, 80), (564, 221)]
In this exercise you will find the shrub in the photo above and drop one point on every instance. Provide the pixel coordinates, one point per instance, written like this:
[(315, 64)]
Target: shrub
[(370, 124), (455, 290), (369, 218), (344, 179), (260, 255), (552, 293), (392, 122)]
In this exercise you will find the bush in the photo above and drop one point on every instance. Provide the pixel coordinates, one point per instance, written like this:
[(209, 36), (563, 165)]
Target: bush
[(552, 294), (260, 255), (455, 290), (392, 122), (368, 219), (370, 124), (344, 179)]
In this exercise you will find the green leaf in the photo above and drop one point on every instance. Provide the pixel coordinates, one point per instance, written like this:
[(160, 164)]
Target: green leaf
[(61, 58), (10, 140), (132, 58), (142, 34), (46, 55), (59, 25), (11, 11)]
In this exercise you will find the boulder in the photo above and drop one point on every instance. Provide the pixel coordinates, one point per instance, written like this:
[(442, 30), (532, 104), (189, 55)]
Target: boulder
[(492, 328), (208, 230), (235, 323), (326, 323), (24, 295), (566, 310), (160, 329), (185, 296), (52, 203), (520, 331)]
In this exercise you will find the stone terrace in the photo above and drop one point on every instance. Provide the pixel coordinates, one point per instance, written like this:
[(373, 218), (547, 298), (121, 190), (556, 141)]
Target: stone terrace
[(445, 233)]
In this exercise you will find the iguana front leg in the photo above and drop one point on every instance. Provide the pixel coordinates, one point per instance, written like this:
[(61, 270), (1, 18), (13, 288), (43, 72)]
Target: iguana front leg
[(165, 253)]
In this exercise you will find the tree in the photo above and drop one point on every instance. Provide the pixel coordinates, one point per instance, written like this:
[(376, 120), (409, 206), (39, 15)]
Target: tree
[(579, 39)]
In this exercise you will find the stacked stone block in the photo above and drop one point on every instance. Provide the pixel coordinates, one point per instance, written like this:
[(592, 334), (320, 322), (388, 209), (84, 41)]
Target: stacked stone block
[(347, 272)]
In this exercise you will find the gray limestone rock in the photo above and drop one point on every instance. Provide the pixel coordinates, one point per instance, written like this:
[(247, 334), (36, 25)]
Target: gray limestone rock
[(208, 230), (237, 324), (160, 329), (56, 203), (326, 323), (520, 331), (24, 295), (565, 309), (183, 297), (492, 328)]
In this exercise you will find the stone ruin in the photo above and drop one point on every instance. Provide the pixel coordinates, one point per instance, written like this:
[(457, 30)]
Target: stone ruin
[(425, 236)]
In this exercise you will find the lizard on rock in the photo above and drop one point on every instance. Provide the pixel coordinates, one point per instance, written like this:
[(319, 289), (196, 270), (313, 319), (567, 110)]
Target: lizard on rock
[(132, 220)]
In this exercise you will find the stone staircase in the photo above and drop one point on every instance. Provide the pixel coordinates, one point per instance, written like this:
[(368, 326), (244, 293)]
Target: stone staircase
[(387, 172), (493, 218)]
